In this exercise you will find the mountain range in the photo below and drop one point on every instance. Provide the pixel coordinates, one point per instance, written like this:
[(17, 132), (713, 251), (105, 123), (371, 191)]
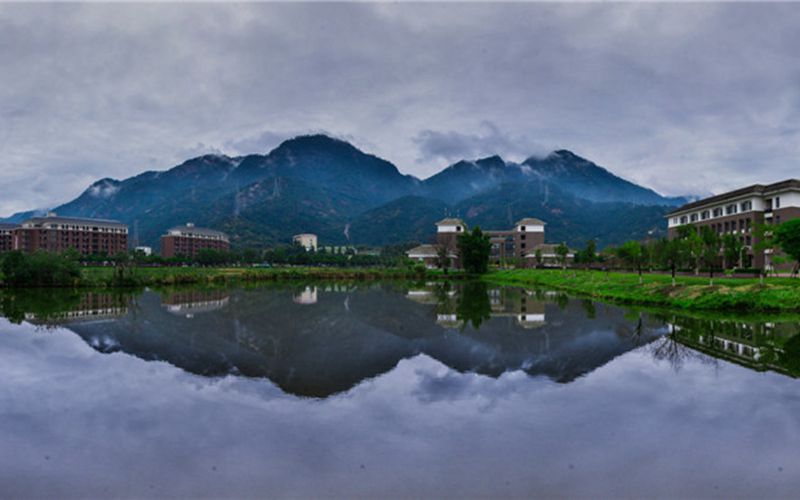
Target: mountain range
[(327, 186)]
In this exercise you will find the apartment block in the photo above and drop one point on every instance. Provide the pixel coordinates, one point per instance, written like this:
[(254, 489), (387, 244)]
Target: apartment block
[(738, 212), (188, 240), (57, 234), (7, 237)]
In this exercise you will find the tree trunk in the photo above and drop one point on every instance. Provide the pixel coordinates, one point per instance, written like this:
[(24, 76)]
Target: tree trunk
[(673, 274)]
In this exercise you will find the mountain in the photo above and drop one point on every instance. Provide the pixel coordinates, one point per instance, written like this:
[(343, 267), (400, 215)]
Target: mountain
[(327, 186), (570, 172)]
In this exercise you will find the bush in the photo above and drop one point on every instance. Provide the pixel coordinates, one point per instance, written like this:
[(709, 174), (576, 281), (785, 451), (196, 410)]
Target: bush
[(40, 269)]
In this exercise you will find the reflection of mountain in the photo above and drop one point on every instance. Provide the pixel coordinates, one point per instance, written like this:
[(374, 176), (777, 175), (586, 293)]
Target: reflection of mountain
[(351, 335), (757, 345)]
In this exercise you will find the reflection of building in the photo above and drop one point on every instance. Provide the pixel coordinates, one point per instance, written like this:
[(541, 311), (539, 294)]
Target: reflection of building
[(58, 234), (518, 244), (191, 302), (504, 303), (755, 345), (306, 240), (306, 296), (91, 307), (188, 240)]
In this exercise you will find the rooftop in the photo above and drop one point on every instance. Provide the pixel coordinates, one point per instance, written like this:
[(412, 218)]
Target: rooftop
[(753, 189), (530, 221), (191, 228), (76, 221), (451, 222)]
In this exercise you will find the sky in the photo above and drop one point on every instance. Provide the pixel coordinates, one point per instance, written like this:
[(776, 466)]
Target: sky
[(682, 98)]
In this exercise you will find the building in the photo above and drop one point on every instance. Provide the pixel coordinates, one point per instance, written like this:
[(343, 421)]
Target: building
[(57, 234), (512, 245), (739, 212), (188, 240), (549, 256), (306, 240), (7, 237), (518, 242)]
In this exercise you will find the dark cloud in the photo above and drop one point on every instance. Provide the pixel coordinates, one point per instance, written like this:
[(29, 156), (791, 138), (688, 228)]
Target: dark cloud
[(681, 97), (454, 145)]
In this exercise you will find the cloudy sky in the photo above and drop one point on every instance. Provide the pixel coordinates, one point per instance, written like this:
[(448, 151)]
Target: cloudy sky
[(683, 98)]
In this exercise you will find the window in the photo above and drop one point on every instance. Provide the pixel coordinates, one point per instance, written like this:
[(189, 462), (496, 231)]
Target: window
[(694, 217), (458, 229), (777, 202), (746, 205), (705, 215), (522, 236), (684, 220), (718, 212), (730, 209), (727, 226), (522, 245), (522, 228)]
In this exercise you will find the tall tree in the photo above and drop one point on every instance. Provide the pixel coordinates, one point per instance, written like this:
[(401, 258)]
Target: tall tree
[(787, 237), (732, 248), (474, 248), (562, 251), (443, 258), (710, 252), (632, 254)]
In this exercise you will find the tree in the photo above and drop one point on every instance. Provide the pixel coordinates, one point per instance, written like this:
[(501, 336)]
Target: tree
[(474, 249), (588, 255), (443, 258), (763, 240), (693, 245), (732, 248), (538, 256), (787, 237), (632, 253), (710, 252), (673, 254), (562, 251)]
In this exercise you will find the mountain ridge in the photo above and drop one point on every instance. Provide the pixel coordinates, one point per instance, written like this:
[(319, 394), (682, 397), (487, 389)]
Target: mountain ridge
[(326, 185)]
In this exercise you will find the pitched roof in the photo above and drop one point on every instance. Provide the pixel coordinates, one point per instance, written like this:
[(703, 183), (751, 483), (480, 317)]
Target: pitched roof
[(451, 222), (6, 226), (427, 251), (530, 221), (753, 189)]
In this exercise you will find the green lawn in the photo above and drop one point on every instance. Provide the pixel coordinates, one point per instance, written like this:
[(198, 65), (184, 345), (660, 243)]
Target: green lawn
[(690, 292)]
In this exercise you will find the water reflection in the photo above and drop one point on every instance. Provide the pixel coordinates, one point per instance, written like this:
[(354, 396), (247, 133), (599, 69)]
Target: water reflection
[(318, 340)]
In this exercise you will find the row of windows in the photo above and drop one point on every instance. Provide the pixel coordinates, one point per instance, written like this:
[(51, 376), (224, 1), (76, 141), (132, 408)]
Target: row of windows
[(730, 209)]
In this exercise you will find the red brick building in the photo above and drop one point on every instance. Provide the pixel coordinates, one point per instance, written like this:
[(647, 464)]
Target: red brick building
[(58, 234), (186, 241), (7, 237)]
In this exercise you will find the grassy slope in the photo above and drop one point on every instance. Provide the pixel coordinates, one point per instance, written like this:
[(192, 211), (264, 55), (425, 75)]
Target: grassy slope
[(777, 294)]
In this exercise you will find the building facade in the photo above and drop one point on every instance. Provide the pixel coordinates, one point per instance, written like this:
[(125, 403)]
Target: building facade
[(7, 237), (739, 212), (514, 245), (306, 240), (188, 240), (52, 233)]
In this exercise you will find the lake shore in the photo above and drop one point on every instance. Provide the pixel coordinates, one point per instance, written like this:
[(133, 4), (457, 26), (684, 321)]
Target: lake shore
[(105, 277), (689, 293)]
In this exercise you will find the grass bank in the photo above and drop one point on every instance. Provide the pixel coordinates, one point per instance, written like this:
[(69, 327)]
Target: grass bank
[(105, 277), (689, 293)]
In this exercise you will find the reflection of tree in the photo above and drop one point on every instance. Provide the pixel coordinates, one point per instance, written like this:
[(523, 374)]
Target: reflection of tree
[(790, 357), (668, 348), (562, 300), (473, 303), (588, 306)]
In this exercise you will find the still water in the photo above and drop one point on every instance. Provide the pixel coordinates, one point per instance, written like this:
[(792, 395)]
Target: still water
[(394, 390)]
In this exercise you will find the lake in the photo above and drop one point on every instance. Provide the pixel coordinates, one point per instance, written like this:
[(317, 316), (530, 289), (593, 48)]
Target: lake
[(388, 390)]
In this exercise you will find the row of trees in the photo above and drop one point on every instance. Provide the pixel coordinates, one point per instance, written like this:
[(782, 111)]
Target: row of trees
[(700, 249)]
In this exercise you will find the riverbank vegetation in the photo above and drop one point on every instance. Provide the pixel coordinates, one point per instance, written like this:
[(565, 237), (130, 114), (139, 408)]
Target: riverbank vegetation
[(652, 289)]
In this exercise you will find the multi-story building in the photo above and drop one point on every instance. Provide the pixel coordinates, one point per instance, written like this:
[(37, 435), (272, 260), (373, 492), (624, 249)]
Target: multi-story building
[(516, 244), (738, 212), (188, 240), (58, 234), (7, 237), (306, 240)]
